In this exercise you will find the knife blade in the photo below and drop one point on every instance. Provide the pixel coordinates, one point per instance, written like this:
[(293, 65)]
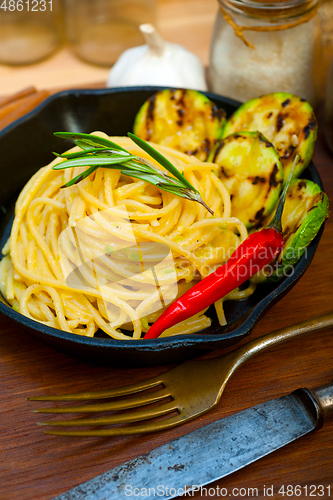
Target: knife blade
[(214, 451)]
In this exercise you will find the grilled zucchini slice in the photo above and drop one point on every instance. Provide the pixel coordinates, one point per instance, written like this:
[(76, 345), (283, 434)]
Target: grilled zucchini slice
[(252, 173), (306, 208), (286, 120), (185, 120)]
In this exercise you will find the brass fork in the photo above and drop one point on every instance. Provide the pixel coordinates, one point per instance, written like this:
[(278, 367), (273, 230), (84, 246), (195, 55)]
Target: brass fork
[(195, 387)]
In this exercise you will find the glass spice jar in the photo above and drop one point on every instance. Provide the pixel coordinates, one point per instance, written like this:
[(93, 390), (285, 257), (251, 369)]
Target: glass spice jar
[(259, 48), (100, 30), (30, 30)]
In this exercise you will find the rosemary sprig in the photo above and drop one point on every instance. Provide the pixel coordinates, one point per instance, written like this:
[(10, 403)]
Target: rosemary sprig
[(100, 152)]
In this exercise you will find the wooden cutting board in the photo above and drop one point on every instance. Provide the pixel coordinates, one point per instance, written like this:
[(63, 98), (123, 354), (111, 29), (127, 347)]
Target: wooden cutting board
[(35, 466)]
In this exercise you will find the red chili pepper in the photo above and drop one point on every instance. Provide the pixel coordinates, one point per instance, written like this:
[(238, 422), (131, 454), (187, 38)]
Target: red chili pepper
[(254, 253)]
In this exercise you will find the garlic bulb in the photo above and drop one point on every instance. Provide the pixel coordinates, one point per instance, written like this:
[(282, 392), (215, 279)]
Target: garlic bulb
[(157, 63)]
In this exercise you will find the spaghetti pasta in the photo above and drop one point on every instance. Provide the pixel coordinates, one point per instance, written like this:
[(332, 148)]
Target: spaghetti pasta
[(112, 252)]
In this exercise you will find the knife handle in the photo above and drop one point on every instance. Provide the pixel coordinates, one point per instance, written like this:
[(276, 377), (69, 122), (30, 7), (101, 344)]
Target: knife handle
[(324, 395), (318, 403)]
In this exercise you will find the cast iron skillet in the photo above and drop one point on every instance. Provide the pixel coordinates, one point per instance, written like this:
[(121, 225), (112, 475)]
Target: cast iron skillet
[(27, 145)]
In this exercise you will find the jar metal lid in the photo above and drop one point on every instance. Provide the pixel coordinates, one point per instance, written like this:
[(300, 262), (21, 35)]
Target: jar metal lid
[(274, 9)]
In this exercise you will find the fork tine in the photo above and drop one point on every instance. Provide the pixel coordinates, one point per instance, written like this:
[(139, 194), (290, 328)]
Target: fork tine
[(123, 404), (125, 418), (124, 431), (108, 393)]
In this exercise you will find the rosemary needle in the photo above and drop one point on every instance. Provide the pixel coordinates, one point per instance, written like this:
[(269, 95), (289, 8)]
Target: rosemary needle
[(101, 152)]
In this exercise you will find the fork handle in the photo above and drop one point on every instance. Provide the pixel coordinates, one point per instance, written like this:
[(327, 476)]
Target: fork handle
[(255, 346)]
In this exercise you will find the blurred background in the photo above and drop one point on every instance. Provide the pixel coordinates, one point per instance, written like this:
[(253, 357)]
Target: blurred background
[(58, 44), (65, 63)]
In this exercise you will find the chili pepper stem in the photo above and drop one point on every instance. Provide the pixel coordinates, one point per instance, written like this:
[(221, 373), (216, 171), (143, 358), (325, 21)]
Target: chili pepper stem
[(276, 222)]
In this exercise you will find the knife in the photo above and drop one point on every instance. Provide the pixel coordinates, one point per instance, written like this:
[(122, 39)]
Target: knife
[(214, 451)]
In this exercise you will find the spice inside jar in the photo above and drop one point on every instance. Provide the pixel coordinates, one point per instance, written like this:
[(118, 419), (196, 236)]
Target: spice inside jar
[(258, 48)]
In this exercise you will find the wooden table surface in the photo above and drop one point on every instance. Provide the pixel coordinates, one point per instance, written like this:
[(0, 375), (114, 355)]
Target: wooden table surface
[(35, 466)]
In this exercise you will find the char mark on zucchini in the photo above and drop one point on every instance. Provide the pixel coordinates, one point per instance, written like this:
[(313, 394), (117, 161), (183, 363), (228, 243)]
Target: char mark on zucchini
[(150, 111), (279, 122), (260, 214), (310, 126), (274, 178)]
